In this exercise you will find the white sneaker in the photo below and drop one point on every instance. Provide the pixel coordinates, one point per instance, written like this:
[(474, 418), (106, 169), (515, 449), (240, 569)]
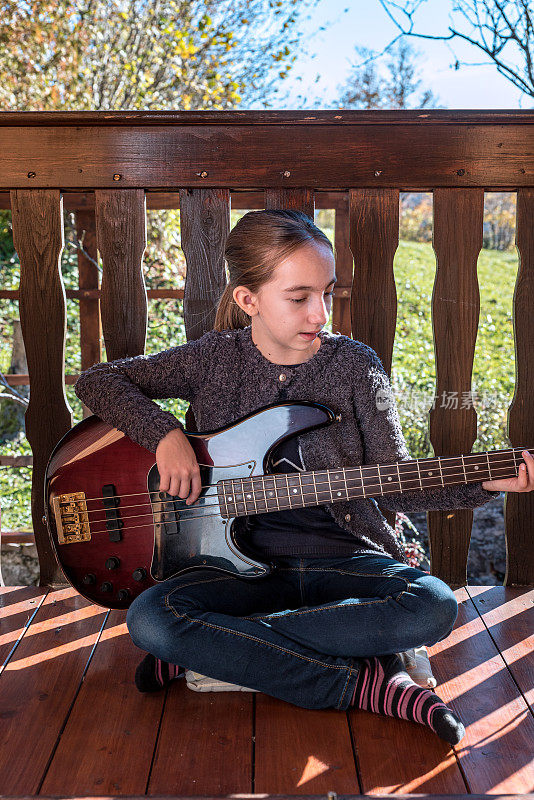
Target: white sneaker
[(202, 683), (418, 667), (416, 661)]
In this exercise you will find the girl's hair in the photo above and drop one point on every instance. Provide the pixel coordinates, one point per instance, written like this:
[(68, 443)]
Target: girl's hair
[(256, 244)]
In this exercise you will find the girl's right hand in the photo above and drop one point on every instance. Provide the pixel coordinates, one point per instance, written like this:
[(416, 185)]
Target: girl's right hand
[(178, 466)]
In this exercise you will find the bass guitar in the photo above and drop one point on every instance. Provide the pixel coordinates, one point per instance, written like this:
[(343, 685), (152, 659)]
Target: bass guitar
[(115, 534)]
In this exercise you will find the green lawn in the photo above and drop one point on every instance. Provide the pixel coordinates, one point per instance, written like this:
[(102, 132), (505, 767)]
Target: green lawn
[(413, 370)]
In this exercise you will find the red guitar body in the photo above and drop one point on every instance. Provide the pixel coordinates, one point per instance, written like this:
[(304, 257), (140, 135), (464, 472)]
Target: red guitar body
[(115, 535)]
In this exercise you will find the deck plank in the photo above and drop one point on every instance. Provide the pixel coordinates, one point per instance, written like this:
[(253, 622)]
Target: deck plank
[(496, 752), (39, 684), (508, 614), (205, 743), (302, 751), (17, 605), (402, 757), (108, 742)]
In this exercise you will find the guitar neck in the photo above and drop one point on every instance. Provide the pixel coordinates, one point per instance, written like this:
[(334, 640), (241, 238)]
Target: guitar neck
[(276, 492)]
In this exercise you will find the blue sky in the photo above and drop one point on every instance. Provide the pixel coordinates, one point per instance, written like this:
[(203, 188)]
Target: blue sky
[(365, 23)]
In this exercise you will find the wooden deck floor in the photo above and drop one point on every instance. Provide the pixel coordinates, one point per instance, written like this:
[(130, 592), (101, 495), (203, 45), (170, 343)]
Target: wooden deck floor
[(73, 723)]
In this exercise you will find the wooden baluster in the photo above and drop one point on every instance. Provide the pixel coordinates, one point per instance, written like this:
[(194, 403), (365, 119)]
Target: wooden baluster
[(457, 241), (344, 267), (205, 224), (291, 199), (121, 240), (374, 238), (519, 508), (37, 216), (89, 307)]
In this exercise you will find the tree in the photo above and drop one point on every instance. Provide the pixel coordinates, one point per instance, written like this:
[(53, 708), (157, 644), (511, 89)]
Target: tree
[(366, 87), (145, 54), (502, 29)]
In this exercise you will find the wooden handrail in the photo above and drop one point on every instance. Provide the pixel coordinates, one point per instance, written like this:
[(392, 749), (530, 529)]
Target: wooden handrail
[(16, 461), (153, 294), (17, 537)]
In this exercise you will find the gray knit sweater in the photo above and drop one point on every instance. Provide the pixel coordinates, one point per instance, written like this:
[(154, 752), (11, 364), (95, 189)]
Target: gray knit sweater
[(225, 376)]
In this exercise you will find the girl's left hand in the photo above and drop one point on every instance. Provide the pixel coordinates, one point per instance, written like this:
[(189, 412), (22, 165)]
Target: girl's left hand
[(523, 483)]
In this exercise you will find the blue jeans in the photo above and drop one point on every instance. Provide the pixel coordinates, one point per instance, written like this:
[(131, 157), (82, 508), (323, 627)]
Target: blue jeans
[(298, 634)]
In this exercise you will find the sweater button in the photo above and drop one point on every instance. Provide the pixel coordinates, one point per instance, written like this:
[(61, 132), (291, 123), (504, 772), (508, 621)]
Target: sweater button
[(347, 517), (282, 376)]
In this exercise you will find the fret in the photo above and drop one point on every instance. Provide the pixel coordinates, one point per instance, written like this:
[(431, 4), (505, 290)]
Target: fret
[(463, 467), (306, 484), (243, 493), (398, 473), (329, 485), (231, 496), (419, 472), (451, 470), (223, 499), (301, 488), (346, 484), (515, 462), (441, 471), (408, 475), (288, 492), (370, 475), (489, 468), (362, 480), (358, 477), (239, 506), (315, 489), (269, 492), (380, 479), (276, 493), (254, 496), (264, 492), (248, 494), (295, 487)]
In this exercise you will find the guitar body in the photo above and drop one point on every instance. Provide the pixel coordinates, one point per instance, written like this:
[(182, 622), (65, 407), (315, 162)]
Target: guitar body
[(115, 535)]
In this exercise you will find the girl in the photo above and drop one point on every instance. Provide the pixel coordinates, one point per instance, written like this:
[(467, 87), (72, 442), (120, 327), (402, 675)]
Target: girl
[(326, 627)]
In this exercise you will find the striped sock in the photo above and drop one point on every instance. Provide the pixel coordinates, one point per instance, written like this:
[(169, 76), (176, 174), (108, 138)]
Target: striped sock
[(152, 674), (384, 687)]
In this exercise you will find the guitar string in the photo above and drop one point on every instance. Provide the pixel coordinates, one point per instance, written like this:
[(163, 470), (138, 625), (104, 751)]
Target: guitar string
[(281, 495), (328, 477), (190, 517)]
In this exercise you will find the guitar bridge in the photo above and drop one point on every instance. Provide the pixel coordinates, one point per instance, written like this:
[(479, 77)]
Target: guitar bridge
[(72, 521)]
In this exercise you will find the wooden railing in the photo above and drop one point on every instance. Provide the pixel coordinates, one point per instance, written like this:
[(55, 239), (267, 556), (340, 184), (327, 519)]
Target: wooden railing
[(120, 161)]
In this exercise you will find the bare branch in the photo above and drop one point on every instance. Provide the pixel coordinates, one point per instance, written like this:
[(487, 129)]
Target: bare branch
[(21, 401), (493, 17), (13, 394)]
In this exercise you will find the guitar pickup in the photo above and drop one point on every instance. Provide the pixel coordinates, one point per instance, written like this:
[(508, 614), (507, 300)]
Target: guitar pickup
[(114, 523)]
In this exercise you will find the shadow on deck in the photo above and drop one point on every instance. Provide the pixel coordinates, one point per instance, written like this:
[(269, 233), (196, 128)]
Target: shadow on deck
[(73, 723)]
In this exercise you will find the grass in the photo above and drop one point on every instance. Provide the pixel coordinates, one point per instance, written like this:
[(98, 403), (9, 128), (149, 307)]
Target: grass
[(413, 368)]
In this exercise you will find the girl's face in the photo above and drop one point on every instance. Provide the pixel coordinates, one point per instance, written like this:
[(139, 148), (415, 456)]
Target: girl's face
[(295, 302)]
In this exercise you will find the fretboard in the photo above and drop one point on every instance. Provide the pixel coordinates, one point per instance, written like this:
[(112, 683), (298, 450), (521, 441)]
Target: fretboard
[(276, 492)]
